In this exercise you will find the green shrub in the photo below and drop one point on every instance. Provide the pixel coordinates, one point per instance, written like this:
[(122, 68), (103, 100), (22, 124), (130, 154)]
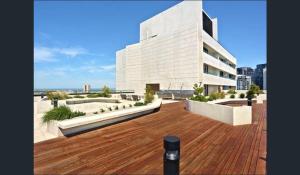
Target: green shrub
[(231, 91), (106, 92), (116, 107), (93, 95), (109, 108), (130, 105), (102, 110), (149, 95), (198, 90), (255, 89), (60, 95), (242, 95), (139, 104), (232, 96), (61, 113), (78, 96), (213, 96), (250, 94), (199, 98), (198, 94), (261, 92), (124, 106), (210, 98), (222, 95), (95, 112)]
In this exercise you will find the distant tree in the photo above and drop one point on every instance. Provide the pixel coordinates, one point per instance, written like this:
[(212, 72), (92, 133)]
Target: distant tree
[(106, 91), (149, 95), (255, 89)]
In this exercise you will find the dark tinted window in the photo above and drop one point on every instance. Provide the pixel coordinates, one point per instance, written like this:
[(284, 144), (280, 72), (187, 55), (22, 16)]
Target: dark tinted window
[(207, 24)]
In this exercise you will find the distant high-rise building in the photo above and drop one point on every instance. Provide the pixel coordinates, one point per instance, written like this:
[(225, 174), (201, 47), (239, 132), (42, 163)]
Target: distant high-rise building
[(258, 75), (265, 78), (86, 88), (245, 71), (244, 78), (243, 82)]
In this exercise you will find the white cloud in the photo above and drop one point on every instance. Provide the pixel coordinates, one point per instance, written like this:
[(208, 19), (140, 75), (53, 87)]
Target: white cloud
[(108, 67), (71, 52), (97, 68), (43, 54), (48, 54)]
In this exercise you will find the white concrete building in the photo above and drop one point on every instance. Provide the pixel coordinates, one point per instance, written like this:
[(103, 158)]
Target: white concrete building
[(243, 82), (265, 78), (178, 48), (86, 88)]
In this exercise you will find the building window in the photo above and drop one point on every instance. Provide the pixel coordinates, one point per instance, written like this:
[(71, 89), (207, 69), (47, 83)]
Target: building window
[(205, 50), (205, 68), (221, 74), (207, 24), (205, 89)]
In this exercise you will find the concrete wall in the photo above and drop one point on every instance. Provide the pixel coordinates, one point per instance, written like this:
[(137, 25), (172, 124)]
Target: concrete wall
[(176, 18), (163, 60), (215, 28), (231, 115), (170, 52)]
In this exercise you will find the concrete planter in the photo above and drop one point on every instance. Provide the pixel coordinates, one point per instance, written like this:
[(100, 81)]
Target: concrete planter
[(238, 115), (83, 123)]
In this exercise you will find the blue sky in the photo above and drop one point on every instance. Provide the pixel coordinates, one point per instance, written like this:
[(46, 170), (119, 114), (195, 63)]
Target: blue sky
[(75, 42)]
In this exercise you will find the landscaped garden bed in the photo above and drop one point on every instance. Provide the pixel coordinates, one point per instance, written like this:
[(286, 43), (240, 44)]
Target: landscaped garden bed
[(64, 121)]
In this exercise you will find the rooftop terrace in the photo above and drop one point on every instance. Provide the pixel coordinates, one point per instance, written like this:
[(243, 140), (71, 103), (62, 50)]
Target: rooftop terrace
[(136, 146)]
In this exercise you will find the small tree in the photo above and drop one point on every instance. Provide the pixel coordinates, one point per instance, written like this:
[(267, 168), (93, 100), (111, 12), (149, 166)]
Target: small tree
[(255, 89), (197, 90), (106, 92), (149, 95), (250, 94), (198, 94)]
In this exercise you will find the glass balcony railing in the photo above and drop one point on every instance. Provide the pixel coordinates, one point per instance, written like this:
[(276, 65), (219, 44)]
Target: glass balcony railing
[(216, 56), (218, 75)]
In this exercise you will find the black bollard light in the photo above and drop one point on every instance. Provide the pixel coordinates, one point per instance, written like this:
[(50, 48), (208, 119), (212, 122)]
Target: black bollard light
[(42, 96), (171, 155), (249, 102), (55, 101)]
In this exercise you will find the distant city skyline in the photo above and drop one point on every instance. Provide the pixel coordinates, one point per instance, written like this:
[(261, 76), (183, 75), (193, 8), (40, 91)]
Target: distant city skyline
[(75, 42)]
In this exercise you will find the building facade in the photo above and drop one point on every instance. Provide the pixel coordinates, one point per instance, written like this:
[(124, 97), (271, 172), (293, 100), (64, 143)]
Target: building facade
[(86, 88), (258, 75), (178, 48), (265, 78), (243, 82), (245, 71)]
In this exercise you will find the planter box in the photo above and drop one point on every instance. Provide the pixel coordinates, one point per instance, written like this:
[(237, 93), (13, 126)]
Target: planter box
[(84, 123), (90, 100), (238, 115)]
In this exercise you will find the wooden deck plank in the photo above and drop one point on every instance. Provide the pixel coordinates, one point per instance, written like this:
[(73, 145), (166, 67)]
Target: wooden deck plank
[(136, 146)]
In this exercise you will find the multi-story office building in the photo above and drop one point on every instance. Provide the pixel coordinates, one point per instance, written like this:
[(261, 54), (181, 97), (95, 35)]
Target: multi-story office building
[(258, 75), (245, 71), (86, 88), (243, 82), (178, 48)]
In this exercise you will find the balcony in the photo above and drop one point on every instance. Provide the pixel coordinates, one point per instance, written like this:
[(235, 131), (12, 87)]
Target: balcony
[(217, 47), (215, 62), (217, 80)]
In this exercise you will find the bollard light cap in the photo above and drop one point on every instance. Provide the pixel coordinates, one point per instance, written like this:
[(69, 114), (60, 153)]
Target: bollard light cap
[(171, 143)]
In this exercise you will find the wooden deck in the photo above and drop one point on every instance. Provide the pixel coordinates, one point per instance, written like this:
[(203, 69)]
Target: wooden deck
[(136, 146)]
